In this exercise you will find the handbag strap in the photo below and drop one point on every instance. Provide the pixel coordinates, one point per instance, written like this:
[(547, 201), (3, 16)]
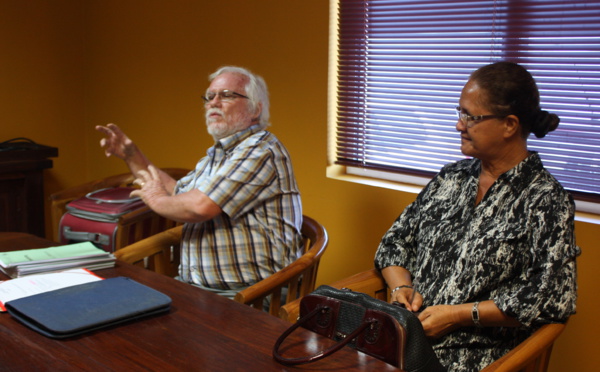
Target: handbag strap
[(321, 354)]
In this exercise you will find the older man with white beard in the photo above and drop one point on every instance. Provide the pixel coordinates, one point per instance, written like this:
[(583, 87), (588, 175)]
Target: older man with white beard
[(241, 205)]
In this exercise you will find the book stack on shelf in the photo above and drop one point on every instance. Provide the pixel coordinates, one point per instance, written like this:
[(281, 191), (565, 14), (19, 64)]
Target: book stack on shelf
[(71, 256)]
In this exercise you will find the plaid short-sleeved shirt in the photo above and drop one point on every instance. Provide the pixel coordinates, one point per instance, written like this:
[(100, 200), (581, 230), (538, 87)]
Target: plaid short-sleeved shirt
[(249, 175)]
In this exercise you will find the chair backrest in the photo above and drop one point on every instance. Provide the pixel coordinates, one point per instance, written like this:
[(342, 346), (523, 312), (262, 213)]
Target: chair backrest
[(299, 277), (133, 226)]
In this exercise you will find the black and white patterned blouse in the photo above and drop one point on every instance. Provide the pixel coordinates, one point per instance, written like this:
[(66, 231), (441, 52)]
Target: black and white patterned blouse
[(516, 247)]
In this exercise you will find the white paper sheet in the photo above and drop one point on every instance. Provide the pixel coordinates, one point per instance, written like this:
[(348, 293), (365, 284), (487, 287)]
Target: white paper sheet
[(34, 284)]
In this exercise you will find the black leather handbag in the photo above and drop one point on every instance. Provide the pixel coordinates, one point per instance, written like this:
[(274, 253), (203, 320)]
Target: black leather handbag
[(385, 331)]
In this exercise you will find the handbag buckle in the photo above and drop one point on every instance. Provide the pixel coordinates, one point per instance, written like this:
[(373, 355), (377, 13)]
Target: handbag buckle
[(373, 331)]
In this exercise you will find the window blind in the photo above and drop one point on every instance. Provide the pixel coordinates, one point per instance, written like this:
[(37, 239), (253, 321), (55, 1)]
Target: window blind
[(402, 65)]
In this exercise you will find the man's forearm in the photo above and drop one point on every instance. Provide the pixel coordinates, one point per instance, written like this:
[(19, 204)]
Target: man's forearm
[(192, 207)]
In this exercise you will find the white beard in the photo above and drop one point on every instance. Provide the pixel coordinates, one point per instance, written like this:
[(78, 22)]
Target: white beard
[(220, 128), (217, 129)]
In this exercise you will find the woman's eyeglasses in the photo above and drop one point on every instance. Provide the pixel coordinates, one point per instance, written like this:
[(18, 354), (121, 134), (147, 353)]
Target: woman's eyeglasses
[(471, 120)]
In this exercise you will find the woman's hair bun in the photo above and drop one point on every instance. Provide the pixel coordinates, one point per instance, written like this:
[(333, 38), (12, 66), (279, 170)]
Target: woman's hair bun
[(543, 123)]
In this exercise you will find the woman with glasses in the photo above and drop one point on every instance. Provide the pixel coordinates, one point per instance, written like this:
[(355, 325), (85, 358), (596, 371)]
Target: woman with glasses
[(486, 254)]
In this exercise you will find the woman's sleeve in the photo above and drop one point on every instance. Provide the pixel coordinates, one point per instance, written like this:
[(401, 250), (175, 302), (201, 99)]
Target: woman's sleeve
[(395, 248), (547, 291), (398, 245)]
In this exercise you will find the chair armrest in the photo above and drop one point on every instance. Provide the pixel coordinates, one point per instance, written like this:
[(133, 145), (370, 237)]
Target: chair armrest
[(279, 279), (370, 282), (534, 351), (156, 247)]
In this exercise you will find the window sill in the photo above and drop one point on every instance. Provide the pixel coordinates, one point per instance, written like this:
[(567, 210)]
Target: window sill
[(585, 211), (374, 178)]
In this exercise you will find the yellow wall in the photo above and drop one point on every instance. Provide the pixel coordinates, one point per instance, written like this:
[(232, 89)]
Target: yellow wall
[(68, 65), (41, 81)]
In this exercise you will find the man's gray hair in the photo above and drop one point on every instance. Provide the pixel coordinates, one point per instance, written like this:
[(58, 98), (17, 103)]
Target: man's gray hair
[(256, 90)]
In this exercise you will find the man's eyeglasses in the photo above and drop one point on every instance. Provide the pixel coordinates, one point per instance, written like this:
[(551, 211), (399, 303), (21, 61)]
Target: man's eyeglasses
[(471, 120), (224, 95)]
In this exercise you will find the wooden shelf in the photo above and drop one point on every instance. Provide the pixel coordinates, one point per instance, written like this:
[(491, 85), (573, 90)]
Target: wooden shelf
[(22, 186)]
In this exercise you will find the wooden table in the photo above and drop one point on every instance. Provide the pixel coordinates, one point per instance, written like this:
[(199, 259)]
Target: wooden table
[(202, 332)]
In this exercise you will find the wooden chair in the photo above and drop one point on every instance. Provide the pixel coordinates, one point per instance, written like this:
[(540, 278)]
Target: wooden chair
[(299, 277), (531, 355), (160, 253), (133, 226)]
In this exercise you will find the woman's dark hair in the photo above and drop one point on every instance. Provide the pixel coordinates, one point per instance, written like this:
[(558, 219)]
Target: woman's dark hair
[(511, 90)]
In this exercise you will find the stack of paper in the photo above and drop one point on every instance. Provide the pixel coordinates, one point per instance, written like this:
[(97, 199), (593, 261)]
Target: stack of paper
[(35, 284), (34, 261)]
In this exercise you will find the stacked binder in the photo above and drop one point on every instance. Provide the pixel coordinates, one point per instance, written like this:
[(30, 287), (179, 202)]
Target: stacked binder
[(34, 261)]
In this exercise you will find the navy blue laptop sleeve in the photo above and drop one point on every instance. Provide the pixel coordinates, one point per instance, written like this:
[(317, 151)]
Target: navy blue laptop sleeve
[(83, 308)]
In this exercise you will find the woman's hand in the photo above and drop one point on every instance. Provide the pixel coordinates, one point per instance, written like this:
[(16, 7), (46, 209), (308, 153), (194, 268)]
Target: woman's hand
[(408, 297), (397, 276), (440, 320)]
